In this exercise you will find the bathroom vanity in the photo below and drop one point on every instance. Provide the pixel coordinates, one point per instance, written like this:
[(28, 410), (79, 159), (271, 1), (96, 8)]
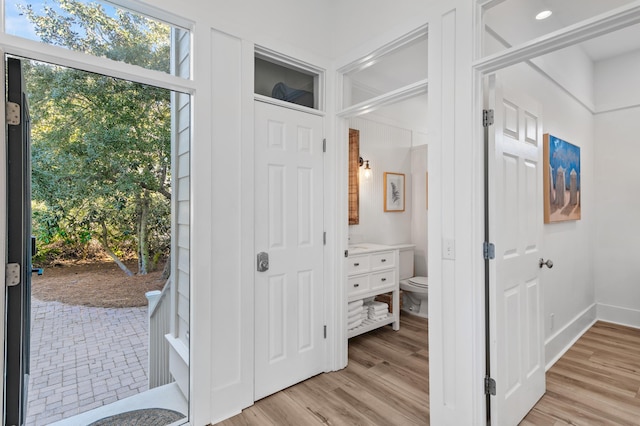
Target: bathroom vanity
[(373, 269)]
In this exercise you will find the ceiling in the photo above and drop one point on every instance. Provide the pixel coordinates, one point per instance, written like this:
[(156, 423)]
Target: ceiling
[(511, 19), (514, 21)]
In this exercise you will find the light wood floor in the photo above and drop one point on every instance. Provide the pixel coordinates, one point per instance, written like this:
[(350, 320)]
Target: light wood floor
[(386, 383), (597, 382)]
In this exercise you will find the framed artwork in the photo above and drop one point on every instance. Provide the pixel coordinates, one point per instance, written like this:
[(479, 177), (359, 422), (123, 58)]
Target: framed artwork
[(562, 185), (393, 192)]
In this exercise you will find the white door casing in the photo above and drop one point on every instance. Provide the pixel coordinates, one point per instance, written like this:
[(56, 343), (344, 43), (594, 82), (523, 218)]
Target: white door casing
[(289, 308), (515, 223)]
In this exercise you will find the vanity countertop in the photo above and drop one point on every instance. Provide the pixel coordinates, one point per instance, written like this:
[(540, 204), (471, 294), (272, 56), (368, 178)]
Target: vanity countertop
[(362, 248)]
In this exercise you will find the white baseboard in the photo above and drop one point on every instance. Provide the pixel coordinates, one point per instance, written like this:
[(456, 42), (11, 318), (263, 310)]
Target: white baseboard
[(560, 342), (619, 315)]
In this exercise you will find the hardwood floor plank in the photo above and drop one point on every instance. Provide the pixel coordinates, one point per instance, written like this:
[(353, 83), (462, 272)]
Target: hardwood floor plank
[(282, 410), (385, 389), (385, 383), (597, 382), (325, 406), (376, 410)]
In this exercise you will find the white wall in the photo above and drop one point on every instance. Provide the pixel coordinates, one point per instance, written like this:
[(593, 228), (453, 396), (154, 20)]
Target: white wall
[(615, 260), (617, 228), (569, 288), (222, 258), (388, 149), (616, 82), (419, 217)]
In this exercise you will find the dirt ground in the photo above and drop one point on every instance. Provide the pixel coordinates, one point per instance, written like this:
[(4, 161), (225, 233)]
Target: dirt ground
[(98, 284)]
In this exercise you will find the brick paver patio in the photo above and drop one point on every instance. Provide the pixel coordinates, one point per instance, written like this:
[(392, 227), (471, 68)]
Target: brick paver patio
[(83, 358)]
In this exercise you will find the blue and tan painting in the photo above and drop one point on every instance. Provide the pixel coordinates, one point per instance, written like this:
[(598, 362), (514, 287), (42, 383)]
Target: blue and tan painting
[(564, 191)]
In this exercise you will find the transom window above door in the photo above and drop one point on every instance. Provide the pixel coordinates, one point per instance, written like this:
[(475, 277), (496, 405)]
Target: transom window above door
[(101, 29)]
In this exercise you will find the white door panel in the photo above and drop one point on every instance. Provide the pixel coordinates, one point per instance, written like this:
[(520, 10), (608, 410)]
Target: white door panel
[(289, 227), (515, 211)]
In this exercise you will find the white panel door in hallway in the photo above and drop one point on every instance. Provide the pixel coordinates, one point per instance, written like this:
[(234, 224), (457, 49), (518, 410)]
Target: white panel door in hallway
[(515, 223), (289, 308)]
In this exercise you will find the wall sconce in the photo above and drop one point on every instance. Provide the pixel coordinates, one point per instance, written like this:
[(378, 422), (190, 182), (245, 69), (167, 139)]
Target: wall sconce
[(367, 168)]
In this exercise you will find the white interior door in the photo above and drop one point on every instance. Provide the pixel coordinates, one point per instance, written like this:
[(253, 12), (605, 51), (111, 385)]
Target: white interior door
[(289, 326), (515, 212)]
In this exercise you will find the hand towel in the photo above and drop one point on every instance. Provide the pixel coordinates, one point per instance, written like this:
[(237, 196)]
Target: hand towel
[(356, 309), (356, 315), (354, 324), (377, 306), (355, 303), (378, 316)]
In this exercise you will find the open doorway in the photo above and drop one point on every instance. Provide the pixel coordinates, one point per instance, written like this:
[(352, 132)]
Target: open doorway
[(102, 229), (102, 235), (96, 138), (110, 202), (385, 109), (581, 87)]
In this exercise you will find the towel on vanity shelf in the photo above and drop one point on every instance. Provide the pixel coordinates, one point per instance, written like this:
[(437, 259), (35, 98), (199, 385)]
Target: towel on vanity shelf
[(378, 316), (356, 309), (355, 304), (376, 306), (354, 324), (356, 315)]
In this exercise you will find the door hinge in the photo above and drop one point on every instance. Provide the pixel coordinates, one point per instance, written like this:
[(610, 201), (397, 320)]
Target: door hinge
[(324, 145), (324, 238), (12, 114), (487, 117), (325, 331), (489, 386), (12, 274), (488, 250)]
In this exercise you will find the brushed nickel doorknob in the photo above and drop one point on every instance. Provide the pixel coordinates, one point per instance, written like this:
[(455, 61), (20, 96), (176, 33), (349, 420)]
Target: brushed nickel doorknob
[(548, 263)]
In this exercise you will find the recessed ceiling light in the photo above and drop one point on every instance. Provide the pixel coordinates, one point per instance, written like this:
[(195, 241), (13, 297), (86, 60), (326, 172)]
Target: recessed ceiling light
[(543, 15)]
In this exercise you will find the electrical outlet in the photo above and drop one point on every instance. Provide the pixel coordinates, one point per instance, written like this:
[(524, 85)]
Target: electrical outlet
[(448, 249)]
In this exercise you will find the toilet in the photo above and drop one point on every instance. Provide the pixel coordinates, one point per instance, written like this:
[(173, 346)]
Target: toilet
[(415, 290)]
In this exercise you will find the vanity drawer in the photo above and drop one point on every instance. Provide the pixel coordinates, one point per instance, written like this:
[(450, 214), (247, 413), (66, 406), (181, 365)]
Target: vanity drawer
[(382, 279), (358, 284), (384, 259), (358, 264)]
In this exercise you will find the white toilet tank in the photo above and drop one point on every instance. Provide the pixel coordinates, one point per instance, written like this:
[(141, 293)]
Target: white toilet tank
[(406, 263)]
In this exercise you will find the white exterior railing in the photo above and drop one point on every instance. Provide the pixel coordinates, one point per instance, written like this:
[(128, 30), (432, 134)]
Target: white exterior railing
[(159, 325)]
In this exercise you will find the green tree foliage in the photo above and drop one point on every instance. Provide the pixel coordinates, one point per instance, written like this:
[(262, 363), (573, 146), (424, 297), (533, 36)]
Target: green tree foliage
[(100, 146)]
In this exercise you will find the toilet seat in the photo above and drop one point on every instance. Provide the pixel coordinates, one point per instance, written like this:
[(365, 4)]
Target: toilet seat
[(415, 284), (422, 282)]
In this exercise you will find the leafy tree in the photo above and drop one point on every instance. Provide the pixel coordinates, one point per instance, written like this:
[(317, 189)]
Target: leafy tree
[(101, 146)]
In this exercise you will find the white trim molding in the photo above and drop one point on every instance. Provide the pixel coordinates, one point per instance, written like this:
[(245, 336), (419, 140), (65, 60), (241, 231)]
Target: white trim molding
[(562, 340), (619, 315)]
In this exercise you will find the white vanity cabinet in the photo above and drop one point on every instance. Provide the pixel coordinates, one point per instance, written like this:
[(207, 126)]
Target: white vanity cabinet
[(374, 269)]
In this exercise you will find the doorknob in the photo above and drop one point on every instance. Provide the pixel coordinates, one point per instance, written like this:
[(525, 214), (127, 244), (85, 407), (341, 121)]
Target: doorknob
[(263, 262), (548, 263)]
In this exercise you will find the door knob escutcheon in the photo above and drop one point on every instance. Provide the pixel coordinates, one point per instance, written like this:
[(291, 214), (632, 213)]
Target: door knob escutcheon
[(263, 261)]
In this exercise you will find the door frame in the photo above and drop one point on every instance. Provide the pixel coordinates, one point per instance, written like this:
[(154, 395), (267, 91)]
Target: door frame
[(342, 132), (483, 66)]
